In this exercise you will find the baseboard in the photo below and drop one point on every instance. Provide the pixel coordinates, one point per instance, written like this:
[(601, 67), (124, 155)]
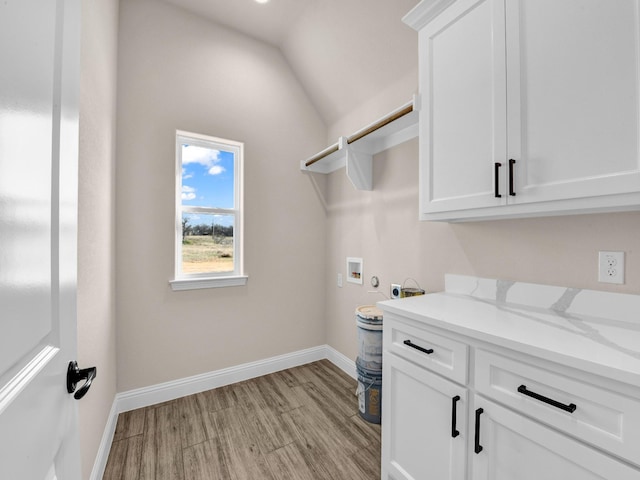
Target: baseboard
[(105, 443), (144, 397), (341, 361), (147, 396)]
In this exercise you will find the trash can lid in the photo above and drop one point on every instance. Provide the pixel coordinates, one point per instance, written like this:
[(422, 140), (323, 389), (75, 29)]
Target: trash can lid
[(369, 312)]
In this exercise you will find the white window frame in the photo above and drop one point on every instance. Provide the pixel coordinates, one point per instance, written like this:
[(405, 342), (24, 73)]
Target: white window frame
[(190, 281)]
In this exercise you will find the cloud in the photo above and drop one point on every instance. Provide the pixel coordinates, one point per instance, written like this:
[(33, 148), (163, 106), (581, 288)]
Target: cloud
[(216, 170), (188, 193), (204, 156)]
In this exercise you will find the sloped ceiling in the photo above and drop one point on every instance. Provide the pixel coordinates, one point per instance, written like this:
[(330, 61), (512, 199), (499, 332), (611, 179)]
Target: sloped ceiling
[(343, 51)]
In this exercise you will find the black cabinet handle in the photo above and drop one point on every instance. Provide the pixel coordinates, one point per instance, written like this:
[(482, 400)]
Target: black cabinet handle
[(478, 447), (428, 351), (511, 189), (454, 430), (75, 374), (567, 408), (496, 182)]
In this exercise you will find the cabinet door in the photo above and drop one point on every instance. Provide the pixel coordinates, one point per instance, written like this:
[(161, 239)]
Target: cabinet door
[(517, 448), (463, 114), (417, 423), (573, 98)]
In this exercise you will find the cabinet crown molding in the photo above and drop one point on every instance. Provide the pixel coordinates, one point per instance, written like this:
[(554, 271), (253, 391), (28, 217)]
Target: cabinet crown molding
[(424, 12)]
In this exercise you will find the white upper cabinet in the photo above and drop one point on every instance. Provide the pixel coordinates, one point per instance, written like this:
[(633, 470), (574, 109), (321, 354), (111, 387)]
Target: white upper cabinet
[(463, 124), (529, 107), (572, 96)]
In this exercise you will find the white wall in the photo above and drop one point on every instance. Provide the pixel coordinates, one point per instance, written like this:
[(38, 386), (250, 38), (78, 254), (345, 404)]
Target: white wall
[(96, 222), (178, 71)]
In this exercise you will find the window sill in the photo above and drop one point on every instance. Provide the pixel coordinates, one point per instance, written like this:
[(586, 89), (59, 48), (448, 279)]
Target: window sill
[(208, 282)]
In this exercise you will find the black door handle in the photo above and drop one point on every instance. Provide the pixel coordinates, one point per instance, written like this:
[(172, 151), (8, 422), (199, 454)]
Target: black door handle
[(428, 351), (496, 182), (75, 374), (512, 191), (454, 430), (567, 408), (478, 447)]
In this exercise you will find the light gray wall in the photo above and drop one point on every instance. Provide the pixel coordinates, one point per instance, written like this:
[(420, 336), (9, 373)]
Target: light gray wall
[(382, 227), (96, 221), (178, 71)]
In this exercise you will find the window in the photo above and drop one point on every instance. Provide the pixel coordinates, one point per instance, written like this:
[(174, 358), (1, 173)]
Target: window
[(208, 212)]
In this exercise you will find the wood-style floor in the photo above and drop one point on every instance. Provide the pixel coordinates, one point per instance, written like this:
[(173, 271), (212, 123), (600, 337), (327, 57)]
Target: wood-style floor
[(298, 424)]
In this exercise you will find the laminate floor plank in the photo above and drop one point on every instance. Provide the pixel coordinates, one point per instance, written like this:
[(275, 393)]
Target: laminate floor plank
[(288, 377), (297, 424), (195, 425), (317, 434), (332, 422), (129, 424), (218, 398), (268, 429), (205, 461), (148, 455), (325, 382), (288, 463), (335, 376), (240, 451), (168, 441), (276, 393)]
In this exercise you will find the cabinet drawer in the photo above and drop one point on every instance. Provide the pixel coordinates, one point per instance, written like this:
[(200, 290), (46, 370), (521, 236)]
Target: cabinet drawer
[(590, 413), (437, 353)]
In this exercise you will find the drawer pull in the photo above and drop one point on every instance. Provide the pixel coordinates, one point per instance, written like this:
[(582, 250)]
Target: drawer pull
[(454, 430), (428, 351), (478, 447), (567, 408)]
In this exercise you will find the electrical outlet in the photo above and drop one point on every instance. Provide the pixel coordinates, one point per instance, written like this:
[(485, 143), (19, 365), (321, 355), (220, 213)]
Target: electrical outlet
[(340, 280), (611, 267), (395, 290)]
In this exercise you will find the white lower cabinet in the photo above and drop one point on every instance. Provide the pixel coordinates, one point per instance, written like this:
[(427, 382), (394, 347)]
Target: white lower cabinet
[(510, 446), (425, 426), (512, 419)]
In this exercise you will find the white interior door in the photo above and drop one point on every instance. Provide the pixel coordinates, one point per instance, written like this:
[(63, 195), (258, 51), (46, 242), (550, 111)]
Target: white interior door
[(39, 77)]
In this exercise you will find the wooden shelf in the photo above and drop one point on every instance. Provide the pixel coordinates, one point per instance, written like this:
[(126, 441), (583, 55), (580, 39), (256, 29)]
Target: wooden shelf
[(356, 151)]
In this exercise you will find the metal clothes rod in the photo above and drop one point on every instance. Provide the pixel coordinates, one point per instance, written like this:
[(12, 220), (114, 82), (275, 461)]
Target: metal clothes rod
[(401, 112), (381, 123), (324, 153)]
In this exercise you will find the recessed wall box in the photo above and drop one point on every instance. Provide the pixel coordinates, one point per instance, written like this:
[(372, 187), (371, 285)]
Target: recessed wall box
[(354, 270)]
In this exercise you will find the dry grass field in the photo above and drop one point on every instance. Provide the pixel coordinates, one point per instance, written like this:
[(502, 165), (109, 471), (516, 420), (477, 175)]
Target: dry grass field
[(204, 253)]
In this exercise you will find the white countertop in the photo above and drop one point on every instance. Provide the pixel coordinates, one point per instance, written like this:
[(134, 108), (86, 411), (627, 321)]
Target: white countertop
[(559, 332)]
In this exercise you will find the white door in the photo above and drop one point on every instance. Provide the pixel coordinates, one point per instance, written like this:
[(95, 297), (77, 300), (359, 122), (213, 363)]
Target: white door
[(39, 76), (425, 423), (513, 447), (573, 98), (463, 114)]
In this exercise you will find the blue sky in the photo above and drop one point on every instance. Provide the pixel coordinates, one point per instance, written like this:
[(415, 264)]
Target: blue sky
[(207, 177), (207, 181)]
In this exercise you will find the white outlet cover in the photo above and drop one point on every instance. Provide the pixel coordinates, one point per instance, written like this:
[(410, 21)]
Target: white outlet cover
[(611, 267)]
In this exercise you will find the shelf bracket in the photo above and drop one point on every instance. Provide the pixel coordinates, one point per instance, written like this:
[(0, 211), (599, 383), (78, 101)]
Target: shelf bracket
[(359, 166)]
